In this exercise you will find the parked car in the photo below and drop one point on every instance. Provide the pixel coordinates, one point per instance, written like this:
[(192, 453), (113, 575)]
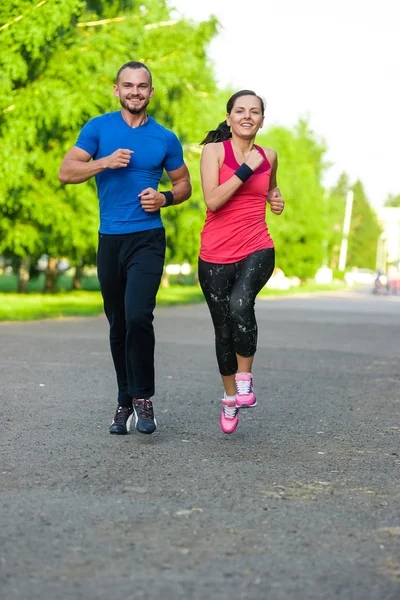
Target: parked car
[(360, 276)]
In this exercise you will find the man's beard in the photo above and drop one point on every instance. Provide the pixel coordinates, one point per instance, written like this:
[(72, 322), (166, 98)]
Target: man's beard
[(133, 110)]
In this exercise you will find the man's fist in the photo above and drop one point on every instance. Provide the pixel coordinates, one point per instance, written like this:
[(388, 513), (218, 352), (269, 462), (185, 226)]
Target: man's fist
[(151, 200), (118, 159)]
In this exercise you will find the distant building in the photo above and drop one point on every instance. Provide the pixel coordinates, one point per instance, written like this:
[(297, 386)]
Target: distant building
[(388, 254)]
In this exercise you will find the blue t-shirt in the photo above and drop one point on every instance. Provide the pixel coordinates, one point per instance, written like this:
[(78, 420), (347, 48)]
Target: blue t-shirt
[(155, 148)]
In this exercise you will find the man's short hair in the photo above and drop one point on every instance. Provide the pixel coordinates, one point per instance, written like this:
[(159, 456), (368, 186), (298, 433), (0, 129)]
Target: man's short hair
[(133, 64)]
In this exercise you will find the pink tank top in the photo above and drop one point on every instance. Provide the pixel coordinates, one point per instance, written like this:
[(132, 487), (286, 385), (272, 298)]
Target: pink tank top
[(238, 228)]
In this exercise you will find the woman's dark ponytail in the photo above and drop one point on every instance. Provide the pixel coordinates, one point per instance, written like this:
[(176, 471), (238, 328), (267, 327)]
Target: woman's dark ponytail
[(222, 133)]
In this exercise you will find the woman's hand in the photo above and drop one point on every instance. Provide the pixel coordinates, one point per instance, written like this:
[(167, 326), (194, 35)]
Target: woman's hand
[(254, 159), (276, 201)]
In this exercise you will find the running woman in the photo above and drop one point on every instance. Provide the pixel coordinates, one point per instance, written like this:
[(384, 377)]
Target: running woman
[(237, 255), (130, 150)]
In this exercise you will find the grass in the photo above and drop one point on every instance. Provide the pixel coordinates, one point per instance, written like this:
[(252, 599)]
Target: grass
[(32, 306), (306, 288), (28, 307), (8, 283)]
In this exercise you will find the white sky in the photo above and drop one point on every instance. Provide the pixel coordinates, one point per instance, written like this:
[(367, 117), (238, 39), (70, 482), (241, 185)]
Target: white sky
[(336, 62)]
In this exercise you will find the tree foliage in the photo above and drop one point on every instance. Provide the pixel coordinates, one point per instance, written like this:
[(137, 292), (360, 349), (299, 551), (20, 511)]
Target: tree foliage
[(299, 232), (364, 231), (393, 201), (59, 60)]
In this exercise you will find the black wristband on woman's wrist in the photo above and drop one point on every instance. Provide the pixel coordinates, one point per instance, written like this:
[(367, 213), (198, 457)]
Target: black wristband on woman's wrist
[(169, 198), (244, 172)]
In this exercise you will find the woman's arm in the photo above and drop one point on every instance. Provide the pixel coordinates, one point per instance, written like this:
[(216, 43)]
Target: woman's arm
[(216, 195), (274, 197)]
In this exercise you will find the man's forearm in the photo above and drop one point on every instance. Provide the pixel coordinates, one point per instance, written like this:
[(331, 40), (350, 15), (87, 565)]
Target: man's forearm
[(77, 171), (182, 190)]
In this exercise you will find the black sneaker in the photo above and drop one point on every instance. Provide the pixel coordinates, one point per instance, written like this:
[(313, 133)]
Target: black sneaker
[(122, 420), (145, 421)]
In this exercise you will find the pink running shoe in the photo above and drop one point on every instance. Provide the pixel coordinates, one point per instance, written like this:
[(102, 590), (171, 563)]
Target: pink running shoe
[(229, 417), (245, 397)]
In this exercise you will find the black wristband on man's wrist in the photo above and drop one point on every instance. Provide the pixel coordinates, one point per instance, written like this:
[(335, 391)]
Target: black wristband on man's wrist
[(244, 172), (169, 198)]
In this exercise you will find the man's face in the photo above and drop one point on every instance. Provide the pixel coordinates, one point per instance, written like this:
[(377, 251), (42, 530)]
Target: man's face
[(133, 90)]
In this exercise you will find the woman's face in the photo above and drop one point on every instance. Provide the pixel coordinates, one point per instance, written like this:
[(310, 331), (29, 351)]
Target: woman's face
[(246, 117)]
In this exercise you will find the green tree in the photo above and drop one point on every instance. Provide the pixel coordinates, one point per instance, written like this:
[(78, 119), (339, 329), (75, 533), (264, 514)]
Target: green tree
[(393, 201), (298, 233), (63, 55), (27, 33), (364, 231)]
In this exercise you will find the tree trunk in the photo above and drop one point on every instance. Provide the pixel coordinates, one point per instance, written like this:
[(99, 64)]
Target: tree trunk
[(165, 280), (51, 276), (195, 276), (23, 275), (77, 281)]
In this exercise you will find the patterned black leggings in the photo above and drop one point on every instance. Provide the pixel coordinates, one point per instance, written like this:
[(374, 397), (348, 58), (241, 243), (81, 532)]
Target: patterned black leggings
[(230, 291)]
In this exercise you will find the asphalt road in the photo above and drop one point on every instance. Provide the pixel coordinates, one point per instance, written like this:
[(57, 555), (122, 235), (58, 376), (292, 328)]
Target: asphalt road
[(301, 502)]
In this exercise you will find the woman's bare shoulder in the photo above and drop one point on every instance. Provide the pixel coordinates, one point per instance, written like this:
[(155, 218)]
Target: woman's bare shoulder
[(270, 154), (213, 148), (213, 153)]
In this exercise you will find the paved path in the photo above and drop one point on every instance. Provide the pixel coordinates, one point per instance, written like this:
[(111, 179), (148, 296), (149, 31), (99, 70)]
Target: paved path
[(302, 502)]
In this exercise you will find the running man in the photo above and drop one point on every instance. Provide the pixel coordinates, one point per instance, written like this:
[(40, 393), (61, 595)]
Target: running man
[(126, 151)]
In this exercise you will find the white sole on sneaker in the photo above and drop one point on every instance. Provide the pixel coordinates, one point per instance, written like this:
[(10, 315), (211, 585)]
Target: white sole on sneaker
[(129, 422), (247, 405)]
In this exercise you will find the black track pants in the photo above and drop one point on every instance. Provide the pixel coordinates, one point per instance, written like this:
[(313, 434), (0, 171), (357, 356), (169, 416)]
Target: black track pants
[(230, 291), (129, 269)]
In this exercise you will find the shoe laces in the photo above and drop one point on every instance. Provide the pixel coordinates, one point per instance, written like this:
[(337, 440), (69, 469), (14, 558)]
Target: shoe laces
[(230, 412), (243, 386), (122, 414), (144, 408)]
